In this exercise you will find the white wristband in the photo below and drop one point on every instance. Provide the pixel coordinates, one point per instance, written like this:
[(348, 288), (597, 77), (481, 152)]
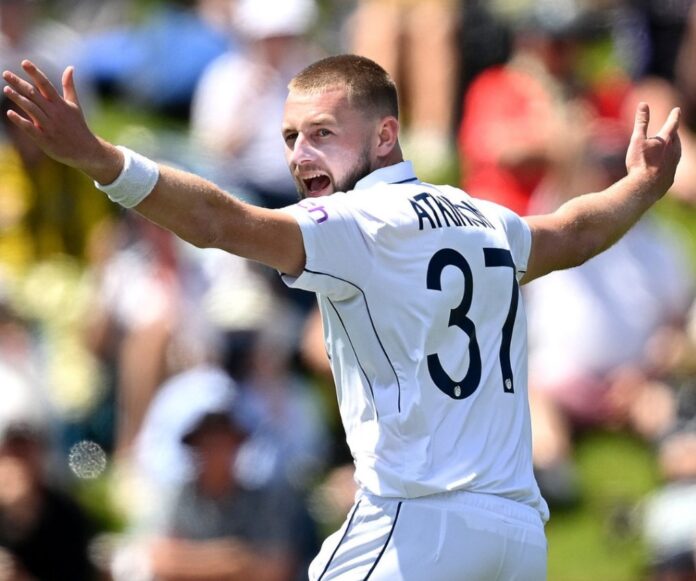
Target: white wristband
[(135, 182)]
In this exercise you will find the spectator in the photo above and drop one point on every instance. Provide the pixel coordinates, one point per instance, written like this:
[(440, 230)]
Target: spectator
[(291, 432), (218, 526), (238, 104), (49, 209), (683, 68), (157, 63), (423, 65), (649, 35), (514, 127), (134, 309), (25, 28), (17, 349), (669, 513), (44, 534), (160, 456)]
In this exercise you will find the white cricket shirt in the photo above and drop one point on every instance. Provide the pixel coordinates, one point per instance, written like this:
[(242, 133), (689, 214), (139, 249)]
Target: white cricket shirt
[(426, 332)]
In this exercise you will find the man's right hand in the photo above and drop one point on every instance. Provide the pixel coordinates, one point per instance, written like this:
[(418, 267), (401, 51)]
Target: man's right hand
[(57, 123)]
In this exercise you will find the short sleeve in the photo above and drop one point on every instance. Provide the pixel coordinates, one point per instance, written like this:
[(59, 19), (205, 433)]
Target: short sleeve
[(338, 246), (518, 234)]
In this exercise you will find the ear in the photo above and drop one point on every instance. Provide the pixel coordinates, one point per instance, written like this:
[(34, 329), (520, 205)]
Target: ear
[(387, 136)]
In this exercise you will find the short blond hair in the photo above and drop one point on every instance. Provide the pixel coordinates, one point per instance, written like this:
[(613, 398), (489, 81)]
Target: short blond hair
[(369, 86)]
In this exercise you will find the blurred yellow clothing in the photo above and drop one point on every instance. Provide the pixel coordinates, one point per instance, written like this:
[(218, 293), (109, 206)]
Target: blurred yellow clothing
[(46, 210), (15, 240)]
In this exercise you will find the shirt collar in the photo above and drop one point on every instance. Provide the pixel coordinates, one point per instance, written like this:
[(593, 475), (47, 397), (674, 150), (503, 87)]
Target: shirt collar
[(398, 173)]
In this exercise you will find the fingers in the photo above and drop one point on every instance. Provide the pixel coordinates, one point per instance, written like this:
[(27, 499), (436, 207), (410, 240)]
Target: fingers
[(45, 86), (669, 130), (37, 100), (24, 89), (29, 98), (32, 110), (23, 123), (69, 91), (640, 126)]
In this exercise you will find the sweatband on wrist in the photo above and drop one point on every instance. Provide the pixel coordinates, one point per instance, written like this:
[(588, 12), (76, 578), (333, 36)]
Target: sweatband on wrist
[(135, 182)]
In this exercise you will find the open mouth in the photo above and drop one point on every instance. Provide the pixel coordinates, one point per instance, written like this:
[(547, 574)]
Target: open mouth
[(316, 184)]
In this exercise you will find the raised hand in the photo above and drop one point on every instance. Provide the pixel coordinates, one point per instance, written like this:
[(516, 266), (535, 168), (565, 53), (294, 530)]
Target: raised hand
[(655, 157), (57, 123)]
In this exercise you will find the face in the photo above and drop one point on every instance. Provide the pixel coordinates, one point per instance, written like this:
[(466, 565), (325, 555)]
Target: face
[(328, 143)]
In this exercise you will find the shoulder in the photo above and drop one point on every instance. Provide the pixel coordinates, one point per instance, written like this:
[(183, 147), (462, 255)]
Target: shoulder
[(502, 213), (496, 213)]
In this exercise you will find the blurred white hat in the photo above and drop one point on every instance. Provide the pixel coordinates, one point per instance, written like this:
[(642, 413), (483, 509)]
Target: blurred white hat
[(215, 396), (178, 408), (268, 18), (184, 400)]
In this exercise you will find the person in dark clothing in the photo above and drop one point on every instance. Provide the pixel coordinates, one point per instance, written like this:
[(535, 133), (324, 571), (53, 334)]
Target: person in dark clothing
[(44, 533)]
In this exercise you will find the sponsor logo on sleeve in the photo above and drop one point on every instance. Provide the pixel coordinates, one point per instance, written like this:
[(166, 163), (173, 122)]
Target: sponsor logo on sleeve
[(316, 211)]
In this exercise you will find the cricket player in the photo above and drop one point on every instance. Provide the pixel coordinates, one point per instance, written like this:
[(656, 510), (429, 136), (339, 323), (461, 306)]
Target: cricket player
[(418, 286)]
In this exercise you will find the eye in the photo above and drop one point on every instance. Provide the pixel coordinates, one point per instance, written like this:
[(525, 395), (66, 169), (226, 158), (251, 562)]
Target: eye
[(290, 139), (323, 132)]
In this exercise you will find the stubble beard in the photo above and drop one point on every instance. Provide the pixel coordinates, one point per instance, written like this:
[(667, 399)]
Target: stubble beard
[(362, 168)]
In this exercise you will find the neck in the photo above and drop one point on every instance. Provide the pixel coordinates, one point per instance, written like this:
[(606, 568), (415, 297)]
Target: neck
[(395, 156)]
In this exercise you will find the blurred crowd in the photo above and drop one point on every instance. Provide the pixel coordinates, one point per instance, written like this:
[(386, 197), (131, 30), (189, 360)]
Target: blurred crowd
[(204, 382)]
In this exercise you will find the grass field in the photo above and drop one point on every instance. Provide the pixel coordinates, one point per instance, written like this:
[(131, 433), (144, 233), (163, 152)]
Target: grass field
[(598, 540)]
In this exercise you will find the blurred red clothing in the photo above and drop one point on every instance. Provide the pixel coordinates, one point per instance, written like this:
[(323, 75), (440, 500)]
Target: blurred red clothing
[(504, 136)]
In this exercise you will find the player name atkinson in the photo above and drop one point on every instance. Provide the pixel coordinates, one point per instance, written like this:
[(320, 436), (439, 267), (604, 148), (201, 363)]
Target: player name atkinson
[(440, 212)]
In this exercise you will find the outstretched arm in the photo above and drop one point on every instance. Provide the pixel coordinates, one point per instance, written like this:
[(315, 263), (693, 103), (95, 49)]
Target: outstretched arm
[(589, 224), (191, 207)]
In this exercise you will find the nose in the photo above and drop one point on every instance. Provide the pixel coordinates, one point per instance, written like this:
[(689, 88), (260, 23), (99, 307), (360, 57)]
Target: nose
[(302, 151)]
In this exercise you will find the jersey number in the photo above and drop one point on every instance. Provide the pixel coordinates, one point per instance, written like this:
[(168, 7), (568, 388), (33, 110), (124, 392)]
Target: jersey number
[(458, 318)]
